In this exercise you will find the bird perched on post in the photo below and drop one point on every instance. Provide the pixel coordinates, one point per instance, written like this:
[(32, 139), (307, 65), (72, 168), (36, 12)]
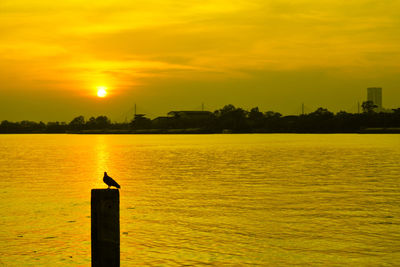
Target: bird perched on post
[(110, 181)]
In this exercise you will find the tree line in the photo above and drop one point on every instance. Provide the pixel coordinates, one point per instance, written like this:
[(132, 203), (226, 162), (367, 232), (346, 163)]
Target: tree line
[(227, 119)]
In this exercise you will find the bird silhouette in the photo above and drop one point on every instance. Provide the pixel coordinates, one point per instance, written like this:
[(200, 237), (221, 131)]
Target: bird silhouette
[(110, 181)]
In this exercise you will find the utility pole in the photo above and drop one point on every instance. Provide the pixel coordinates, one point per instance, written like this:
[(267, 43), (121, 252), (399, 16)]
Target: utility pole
[(202, 106), (302, 108), (358, 107)]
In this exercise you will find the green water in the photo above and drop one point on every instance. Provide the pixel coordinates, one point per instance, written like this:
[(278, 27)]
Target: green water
[(278, 200)]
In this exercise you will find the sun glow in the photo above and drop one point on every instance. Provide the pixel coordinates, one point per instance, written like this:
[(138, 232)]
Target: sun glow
[(101, 91)]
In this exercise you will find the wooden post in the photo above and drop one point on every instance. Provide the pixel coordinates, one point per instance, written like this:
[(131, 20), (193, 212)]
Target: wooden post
[(105, 227)]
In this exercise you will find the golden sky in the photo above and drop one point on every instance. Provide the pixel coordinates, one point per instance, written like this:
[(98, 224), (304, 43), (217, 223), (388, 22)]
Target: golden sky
[(167, 55)]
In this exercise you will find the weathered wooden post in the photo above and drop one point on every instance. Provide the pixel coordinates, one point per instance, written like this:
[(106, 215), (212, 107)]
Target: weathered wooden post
[(105, 228)]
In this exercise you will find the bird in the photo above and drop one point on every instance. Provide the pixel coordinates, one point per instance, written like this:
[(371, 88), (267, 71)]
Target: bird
[(110, 181)]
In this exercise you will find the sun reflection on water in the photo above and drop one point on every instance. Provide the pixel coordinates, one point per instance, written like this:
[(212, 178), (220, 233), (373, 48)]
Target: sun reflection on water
[(102, 159)]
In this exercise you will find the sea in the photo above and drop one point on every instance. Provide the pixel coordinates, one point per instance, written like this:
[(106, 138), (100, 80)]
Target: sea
[(204, 200)]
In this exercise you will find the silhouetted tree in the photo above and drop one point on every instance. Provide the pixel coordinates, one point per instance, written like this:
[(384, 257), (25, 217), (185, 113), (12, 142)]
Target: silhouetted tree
[(321, 120), (321, 113), (41, 126), (273, 122), (141, 122), (368, 106), (9, 127), (256, 118), (56, 127), (232, 118), (345, 122), (77, 123), (272, 114), (101, 122), (91, 123)]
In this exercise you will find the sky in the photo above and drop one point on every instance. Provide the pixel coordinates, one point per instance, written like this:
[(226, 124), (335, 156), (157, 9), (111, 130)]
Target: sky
[(165, 55)]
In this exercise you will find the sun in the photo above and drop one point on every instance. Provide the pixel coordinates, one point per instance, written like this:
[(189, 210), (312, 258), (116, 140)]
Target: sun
[(101, 91)]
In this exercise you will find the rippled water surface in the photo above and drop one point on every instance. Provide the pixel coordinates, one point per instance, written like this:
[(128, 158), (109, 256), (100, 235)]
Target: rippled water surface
[(204, 199)]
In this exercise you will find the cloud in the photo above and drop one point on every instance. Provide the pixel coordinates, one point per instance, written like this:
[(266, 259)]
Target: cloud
[(75, 45)]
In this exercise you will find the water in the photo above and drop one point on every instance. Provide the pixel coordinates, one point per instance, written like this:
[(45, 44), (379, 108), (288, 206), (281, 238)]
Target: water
[(204, 199)]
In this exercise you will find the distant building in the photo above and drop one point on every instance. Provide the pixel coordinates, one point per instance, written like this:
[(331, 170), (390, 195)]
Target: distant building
[(374, 94), (162, 122), (139, 116)]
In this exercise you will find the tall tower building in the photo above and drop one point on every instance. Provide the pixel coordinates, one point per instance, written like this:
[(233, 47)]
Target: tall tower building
[(374, 94)]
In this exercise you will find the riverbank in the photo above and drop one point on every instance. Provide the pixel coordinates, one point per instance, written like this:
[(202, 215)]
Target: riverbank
[(227, 131), (205, 131)]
